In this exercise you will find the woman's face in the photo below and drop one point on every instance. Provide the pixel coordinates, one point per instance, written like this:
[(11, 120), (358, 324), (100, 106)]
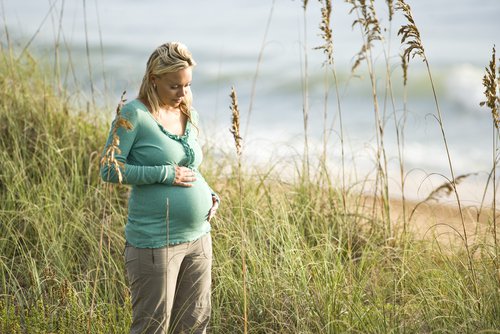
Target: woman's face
[(173, 87)]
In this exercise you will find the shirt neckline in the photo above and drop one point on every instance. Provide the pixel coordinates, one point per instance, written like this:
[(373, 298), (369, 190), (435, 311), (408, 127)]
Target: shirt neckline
[(162, 128)]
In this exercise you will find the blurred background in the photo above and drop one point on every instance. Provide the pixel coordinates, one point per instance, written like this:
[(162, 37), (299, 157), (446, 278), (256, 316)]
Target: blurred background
[(99, 49)]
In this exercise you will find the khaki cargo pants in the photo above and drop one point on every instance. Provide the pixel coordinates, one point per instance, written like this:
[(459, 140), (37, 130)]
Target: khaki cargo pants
[(170, 287)]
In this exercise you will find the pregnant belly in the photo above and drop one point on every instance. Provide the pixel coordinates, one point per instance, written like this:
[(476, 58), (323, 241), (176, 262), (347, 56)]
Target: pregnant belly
[(187, 206)]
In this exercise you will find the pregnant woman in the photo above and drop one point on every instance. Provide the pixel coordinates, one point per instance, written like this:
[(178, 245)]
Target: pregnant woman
[(168, 252)]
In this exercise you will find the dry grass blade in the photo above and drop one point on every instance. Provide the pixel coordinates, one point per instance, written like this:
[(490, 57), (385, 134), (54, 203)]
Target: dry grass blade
[(404, 66), (326, 31), (443, 190), (235, 130), (410, 34), (109, 157), (447, 188), (491, 85), (370, 25), (390, 6), (235, 121)]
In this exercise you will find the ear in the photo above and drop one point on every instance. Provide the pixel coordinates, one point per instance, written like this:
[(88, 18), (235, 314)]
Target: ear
[(152, 79)]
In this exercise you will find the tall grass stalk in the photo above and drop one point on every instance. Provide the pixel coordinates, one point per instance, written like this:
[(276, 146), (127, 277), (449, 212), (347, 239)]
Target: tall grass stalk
[(410, 35), (399, 123), (370, 32), (235, 130), (7, 53), (57, 61), (35, 34), (399, 126), (401, 140), (491, 84), (327, 47), (62, 55), (101, 49), (89, 60), (257, 70), (329, 64), (305, 97)]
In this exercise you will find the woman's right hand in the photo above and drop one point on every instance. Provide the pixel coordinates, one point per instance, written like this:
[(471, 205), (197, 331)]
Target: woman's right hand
[(184, 177)]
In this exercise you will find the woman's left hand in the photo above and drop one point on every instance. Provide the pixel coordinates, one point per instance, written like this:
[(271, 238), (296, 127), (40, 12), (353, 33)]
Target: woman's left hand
[(213, 210)]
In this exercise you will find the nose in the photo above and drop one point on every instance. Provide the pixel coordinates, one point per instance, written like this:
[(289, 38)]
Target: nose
[(182, 92)]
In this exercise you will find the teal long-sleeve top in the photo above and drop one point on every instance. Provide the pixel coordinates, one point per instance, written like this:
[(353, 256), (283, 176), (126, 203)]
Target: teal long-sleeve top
[(148, 154)]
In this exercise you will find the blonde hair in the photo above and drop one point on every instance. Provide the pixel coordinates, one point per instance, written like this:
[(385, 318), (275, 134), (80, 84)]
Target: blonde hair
[(167, 58)]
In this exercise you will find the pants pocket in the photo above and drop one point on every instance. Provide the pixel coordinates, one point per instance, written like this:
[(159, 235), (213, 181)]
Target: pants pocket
[(206, 246)]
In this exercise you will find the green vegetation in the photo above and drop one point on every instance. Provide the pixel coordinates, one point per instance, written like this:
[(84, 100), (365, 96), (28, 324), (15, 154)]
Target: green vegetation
[(289, 257), (312, 266)]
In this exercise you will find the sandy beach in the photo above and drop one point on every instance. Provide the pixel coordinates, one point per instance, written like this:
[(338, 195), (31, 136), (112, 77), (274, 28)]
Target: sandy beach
[(441, 221)]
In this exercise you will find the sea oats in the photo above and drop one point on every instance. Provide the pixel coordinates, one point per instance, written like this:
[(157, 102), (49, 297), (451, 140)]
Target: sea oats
[(491, 85), (368, 21), (326, 31), (447, 188), (390, 6), (109, 157), (404, 66), (410, 34), (235, 128), (443, 190)]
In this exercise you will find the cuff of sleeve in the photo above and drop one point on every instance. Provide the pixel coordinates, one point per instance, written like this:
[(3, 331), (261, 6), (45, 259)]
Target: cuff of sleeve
[(169, 175)]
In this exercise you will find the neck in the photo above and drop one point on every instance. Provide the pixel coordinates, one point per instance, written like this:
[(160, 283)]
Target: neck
[(163, 107), (169, 109)]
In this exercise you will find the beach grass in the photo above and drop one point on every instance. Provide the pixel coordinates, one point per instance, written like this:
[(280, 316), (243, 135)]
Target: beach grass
[(311, 265), (290, 256)]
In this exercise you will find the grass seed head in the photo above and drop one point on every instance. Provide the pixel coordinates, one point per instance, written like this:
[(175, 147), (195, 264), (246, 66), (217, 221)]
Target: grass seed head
[(367, 19), (404, 65), (326, 31), (491, 84), (235, 121), (390, 6), (109, 157), (410, 34), (447, 187)]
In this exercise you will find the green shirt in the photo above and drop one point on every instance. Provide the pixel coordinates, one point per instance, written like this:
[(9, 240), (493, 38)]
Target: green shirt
[(149, 154)]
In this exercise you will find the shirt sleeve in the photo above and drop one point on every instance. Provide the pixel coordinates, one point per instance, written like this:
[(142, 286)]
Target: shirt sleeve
[(122, 142)]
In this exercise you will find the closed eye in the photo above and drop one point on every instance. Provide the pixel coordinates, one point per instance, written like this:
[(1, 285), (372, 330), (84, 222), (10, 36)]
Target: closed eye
[(177, 86)]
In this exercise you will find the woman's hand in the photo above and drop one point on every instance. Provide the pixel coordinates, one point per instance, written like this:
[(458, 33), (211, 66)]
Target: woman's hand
[(213, 210), (184, 177)]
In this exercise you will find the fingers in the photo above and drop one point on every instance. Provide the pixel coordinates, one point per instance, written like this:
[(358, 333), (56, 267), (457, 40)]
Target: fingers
[(184, 177), (213, 209), (211, 213), (215, 204)]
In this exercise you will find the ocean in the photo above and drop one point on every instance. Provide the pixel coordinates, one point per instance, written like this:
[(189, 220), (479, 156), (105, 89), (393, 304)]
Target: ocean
[(102, 46)]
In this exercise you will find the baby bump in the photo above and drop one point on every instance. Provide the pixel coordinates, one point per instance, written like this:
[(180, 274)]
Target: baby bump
[(186, 205), (189, 205)]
